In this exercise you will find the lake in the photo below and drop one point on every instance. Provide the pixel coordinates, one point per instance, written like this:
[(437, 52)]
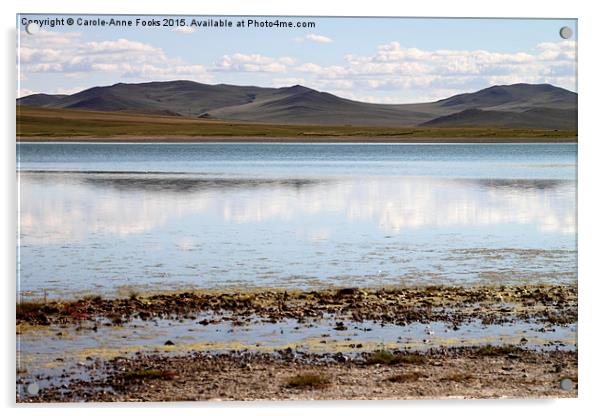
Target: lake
[(113, 218)]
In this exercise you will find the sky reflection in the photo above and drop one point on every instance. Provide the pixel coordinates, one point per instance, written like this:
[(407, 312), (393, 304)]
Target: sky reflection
[(59, 207), (102, 218)]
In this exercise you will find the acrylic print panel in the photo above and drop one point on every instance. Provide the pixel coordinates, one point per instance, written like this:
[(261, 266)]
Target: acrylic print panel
[(294, 208)]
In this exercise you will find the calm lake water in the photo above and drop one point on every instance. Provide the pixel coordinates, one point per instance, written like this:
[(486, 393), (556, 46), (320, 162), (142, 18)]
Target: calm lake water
[(112, 218)]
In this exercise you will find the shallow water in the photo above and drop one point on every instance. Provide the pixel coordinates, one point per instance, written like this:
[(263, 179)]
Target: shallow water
[(46, 354), (111, 218)]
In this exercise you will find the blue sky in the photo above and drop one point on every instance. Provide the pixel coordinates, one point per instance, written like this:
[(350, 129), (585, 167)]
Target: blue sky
[(389, 60)]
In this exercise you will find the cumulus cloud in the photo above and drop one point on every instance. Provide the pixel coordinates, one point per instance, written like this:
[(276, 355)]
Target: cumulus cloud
[(312, 37), (240, 62), (149, 71), (392, 73), (69, 54), (323, 71), (121, 46), (417, 73), (23, 92), (69, 91)]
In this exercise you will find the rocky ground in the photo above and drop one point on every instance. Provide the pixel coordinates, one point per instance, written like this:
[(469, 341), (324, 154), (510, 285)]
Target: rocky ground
[(287, 374), (546, 303), (486, 372)]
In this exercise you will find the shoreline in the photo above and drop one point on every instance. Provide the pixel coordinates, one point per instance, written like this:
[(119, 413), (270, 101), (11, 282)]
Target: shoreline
[(443, 373), (305, 139), (301, 345), (400, 305)]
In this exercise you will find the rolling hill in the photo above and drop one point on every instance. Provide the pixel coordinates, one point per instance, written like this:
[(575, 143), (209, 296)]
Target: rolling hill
[(540, 106)]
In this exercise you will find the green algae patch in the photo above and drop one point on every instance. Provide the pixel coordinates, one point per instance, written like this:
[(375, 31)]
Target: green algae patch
[(147, 374), (394, 305), (386, 357), (497, 350)]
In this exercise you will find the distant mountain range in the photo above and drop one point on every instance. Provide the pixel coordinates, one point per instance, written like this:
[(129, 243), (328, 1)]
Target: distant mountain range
[(518, 105)]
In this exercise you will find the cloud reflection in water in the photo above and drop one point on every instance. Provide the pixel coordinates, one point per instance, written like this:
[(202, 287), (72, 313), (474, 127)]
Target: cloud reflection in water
[(62, 207)]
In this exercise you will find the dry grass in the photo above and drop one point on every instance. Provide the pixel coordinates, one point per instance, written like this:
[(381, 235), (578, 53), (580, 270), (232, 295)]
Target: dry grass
[(65, 124), (148, 374), (497, 351), (36, 311), (388, 358), (28, 307), (308, 380)]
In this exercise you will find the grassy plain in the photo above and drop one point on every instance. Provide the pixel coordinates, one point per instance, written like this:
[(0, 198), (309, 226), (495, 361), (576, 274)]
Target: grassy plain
[(44, 124)]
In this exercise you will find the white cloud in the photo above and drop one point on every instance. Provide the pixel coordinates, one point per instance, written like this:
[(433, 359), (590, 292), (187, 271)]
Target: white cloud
[(312, 37), (240, 62), (69, 91), (23, 92), (566, 49), (70, 55), (153, 72), (324, 71), (121, 45), (409, 73), (392, 73)]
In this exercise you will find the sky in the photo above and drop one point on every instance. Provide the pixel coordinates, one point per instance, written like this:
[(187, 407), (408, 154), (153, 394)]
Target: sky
[(381, 60)]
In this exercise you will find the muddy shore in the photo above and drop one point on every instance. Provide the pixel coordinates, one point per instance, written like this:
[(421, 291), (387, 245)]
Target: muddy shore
[(335, 359), (486, 372), (492, 304)]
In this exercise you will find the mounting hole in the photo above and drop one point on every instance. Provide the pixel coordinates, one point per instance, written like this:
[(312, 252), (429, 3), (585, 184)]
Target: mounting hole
[(566, 32), (32, 28), (566, 384), (33, 389)]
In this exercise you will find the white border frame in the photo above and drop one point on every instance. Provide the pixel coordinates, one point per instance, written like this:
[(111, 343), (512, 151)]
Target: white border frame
[(590, 151)]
